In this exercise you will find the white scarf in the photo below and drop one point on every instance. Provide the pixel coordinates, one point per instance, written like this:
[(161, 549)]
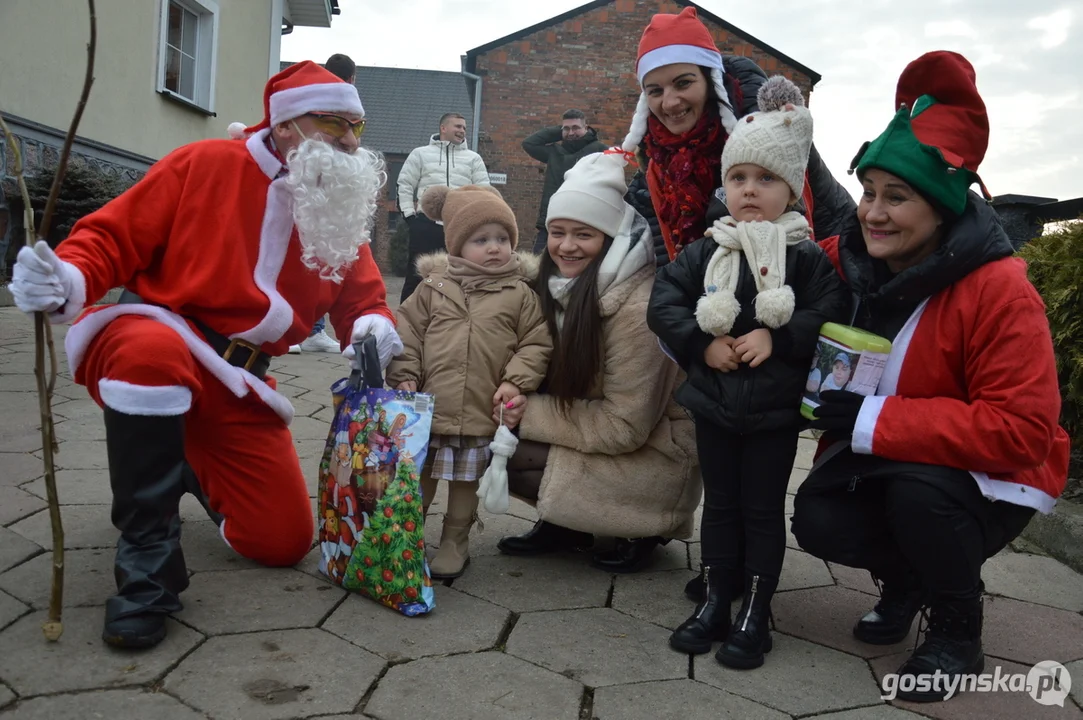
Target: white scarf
[(629, 252), (764, 246)]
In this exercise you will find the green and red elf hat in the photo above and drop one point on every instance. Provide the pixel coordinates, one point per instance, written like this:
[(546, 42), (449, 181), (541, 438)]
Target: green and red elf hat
[(939, 134)]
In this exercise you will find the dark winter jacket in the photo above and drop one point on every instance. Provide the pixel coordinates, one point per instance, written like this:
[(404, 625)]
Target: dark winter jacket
[(559, 157), (833, 211), (747, 399)]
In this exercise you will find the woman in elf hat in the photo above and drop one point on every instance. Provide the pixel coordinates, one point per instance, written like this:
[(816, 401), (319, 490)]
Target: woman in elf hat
[(923, 482), (741, 311), (691, 99), (603, 448)]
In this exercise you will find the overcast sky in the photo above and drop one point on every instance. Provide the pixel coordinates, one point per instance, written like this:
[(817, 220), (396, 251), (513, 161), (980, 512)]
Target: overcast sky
[(1028, 55)]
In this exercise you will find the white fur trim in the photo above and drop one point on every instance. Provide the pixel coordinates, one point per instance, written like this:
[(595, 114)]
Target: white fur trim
[(257, 148), (324, 97), (222, 534), (154, 400), (774, 307), (236, 379), (76, 300), (865, 427), (673, 54), (236, 130), (274, 238), (1014, 493), (889, 381)]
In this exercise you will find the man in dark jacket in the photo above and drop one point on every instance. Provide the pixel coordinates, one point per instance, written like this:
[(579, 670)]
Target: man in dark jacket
[(559, 147)]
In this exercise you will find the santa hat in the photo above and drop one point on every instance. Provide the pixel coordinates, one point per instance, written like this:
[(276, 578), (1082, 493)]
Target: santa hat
[(775, 138), (593, 192), (672, 39), (939, 134), (299, 89)]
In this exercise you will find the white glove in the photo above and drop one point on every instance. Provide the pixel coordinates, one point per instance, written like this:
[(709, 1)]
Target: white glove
[(388, 342), (42, 282)]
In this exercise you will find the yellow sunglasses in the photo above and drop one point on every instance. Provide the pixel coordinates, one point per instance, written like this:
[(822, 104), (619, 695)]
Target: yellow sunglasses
[(336, 126)]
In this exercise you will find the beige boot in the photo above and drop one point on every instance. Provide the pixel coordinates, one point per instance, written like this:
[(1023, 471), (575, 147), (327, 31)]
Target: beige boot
[(428, 488), (454, 553)]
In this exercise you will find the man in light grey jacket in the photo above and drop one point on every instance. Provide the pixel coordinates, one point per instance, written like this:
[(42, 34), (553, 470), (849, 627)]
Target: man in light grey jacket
[(445, 160)]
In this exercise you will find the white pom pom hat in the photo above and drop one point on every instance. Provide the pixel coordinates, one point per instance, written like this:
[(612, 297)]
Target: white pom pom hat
[(299, 89), (668, 40)]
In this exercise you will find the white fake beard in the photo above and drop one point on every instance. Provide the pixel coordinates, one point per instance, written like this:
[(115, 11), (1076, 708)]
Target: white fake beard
[(334, 203)]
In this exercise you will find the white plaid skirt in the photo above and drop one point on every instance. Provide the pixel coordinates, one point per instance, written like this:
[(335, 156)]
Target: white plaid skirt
[(456, 457)]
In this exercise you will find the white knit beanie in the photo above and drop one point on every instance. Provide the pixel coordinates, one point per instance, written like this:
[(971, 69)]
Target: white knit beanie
[(593, 192), (774, 138)]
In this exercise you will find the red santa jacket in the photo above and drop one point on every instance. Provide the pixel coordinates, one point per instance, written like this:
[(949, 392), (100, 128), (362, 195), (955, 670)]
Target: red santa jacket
[(209, 234), (971, 383)]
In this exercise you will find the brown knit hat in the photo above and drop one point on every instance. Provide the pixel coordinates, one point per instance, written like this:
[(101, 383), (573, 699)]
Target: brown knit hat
[(464, 210)]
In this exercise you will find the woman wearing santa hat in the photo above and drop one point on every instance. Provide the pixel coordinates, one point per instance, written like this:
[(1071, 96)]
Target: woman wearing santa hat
[(946, 464), (691, 99)]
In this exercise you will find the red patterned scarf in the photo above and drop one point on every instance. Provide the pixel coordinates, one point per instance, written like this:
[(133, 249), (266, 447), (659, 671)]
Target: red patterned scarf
[(690, 164)]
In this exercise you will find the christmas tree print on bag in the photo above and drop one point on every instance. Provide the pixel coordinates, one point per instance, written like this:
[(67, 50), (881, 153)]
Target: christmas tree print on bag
[(370, 512)]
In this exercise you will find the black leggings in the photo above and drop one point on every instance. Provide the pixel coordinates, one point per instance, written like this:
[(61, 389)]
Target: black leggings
[(744, 497), (425, 237), (904, 521)]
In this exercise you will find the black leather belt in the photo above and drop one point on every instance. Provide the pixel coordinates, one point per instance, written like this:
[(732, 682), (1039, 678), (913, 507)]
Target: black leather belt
[(235, 351)]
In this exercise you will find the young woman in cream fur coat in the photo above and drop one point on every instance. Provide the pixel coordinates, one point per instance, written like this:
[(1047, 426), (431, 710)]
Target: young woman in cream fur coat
[(603, 448)]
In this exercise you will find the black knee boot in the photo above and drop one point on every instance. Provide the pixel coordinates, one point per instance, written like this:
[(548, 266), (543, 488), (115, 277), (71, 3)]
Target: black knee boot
[(952, 647), (711, 620), (890, 619), (147, 475), (749, 637)]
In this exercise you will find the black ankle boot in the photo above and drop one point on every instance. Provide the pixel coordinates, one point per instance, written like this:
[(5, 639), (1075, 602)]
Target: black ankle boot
[(749, 637), (890, 619), (147, 475), (952, 647), (545, 537), (711, 620), (628, 555)]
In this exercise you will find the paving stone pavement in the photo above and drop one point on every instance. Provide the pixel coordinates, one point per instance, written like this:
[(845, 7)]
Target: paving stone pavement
[(513, 638)]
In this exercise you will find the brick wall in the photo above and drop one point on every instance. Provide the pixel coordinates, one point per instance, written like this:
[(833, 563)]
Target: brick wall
[(587, 62), (387, 213)]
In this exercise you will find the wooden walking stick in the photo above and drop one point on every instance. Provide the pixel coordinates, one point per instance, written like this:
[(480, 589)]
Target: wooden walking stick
[(43, 337)]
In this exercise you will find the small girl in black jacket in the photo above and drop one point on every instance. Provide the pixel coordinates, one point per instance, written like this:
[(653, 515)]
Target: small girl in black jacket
[(741, 311)]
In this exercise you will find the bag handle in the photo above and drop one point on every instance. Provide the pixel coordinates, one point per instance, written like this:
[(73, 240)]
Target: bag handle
[(369, 375)]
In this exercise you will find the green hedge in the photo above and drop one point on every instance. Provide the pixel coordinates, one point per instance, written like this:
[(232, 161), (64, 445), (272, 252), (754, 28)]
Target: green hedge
[(1055, 262)]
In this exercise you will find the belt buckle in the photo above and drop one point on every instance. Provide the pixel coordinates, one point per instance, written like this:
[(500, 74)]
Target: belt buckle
[(253, 352)]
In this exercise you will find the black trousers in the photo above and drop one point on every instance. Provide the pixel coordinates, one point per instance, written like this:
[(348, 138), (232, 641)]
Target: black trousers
[(425, 237), (905, 522), (744, 497)]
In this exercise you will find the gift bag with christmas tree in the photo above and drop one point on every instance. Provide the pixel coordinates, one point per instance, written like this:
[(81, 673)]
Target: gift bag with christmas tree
[(370, 518)]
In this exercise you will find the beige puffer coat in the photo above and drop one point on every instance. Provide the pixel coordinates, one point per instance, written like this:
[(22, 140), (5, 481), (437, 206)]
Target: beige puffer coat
[(460, 345), (623, 461)]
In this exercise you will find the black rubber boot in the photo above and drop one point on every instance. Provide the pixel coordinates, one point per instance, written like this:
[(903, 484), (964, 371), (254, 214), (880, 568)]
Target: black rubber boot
[(749, 637), (952, 647), (147, 475), (711, 620), (628, 555), (545, 537), (890, 620)]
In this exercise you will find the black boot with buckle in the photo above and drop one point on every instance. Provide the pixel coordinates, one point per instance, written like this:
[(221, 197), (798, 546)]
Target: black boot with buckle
[(711, 620), (628, 555), (147, 474), (952, 647), (749, 637), (545, 537), (890, 620)]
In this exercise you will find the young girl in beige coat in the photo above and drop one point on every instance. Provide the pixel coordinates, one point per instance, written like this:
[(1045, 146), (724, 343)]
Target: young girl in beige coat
[(475, 337)]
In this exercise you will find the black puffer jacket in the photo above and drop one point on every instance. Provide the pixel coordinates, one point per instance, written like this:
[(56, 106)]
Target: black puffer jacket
[(833, 212), (559, 156), (747, 399)]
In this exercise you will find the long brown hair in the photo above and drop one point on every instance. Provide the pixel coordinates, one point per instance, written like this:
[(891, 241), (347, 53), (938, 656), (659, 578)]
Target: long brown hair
[(577, 349)]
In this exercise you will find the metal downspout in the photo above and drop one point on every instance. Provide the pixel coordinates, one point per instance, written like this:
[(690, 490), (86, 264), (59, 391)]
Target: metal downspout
[(477, 109)]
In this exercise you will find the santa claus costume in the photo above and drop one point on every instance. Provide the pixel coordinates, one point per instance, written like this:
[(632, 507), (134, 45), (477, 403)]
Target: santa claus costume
[(208, 241), (960, 445)]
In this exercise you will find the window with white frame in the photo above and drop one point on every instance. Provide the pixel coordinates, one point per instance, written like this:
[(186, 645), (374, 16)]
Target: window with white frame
[(189, 51)]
